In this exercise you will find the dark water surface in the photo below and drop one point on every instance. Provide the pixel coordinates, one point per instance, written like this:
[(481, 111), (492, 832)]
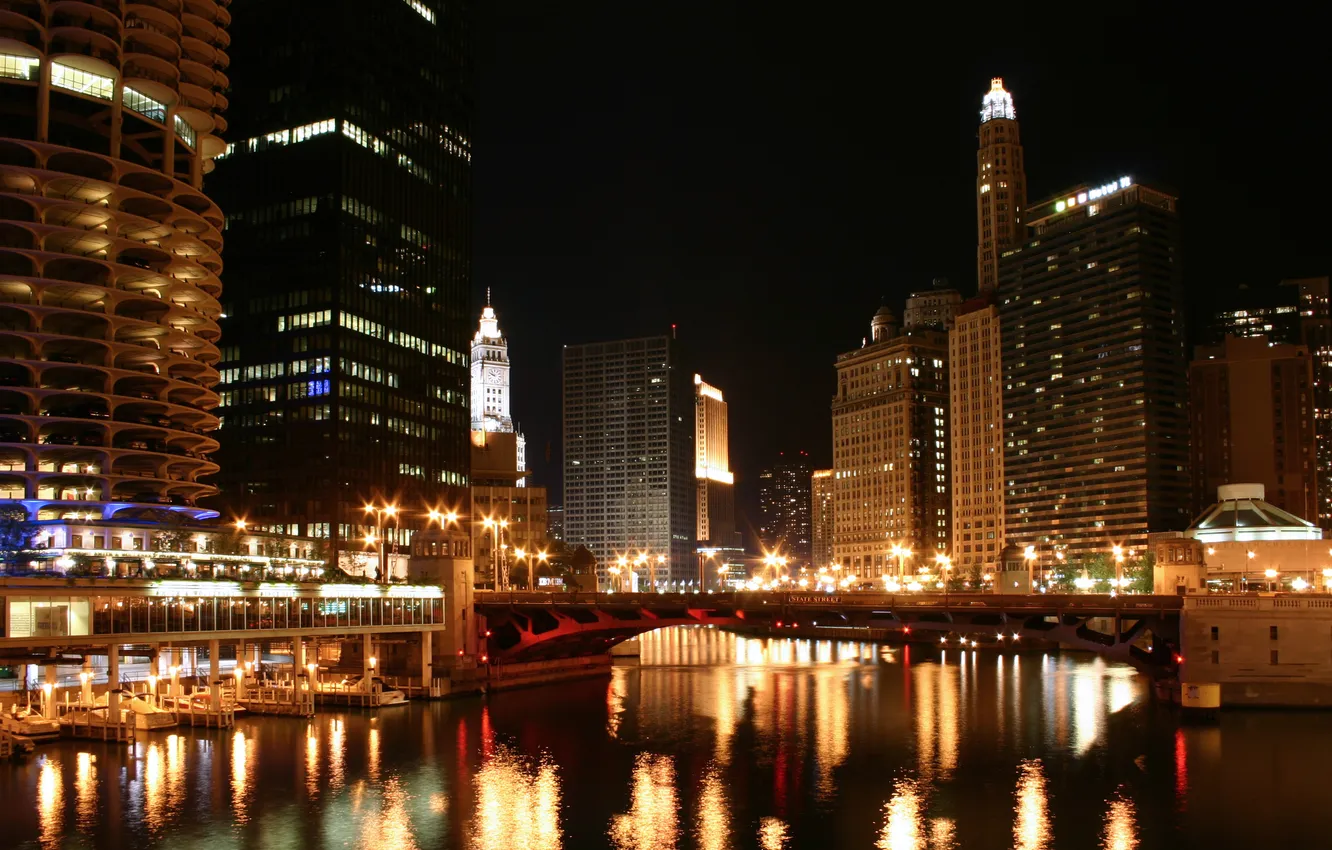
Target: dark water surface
[(715, 741)]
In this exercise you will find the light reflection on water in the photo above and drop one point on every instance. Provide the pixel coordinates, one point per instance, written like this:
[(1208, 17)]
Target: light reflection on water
[(652, 820), (517, 804), (713, 742)]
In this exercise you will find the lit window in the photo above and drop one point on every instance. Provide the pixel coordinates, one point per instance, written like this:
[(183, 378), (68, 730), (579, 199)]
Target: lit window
[(82, 82), (18, 67), (422, 9)]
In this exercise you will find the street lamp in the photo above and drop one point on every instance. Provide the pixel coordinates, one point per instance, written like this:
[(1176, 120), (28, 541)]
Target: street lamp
[(945, 565), (1118, 552), (615, 571), (661, 562), (389, 511), (497, 526), (1029, 556)]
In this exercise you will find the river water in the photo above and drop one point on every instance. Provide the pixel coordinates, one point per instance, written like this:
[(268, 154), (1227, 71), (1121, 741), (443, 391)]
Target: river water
[(714, 741)]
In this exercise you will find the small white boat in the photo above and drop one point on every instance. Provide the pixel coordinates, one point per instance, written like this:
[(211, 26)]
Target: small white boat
[(385, 695), (27, 724), (139, 711)]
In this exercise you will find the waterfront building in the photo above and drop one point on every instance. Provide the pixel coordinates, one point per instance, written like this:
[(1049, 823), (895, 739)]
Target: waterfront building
[(1296, 312), (1241, 543), (110, 256), (821, 518), (712, 468), (629, 461), (347, 189), (784, 508), (491, 382), (1001, 185), (890, 450), (1252, 413), (507, 517), (976, 432), (1095, 386)]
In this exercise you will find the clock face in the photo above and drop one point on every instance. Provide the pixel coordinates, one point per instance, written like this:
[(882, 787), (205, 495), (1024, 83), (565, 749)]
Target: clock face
[(493, 378)]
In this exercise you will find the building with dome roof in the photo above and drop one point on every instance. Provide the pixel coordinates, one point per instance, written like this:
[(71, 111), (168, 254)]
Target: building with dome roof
[(1242, 542), (890, 450)]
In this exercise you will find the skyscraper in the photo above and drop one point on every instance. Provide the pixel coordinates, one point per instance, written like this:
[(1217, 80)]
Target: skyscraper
[(821, 518), (1252, 412), (109, 258), (1001, 184), (975, 392), (629, 462), (490, 384), (1296, 312), (348, 194), (784, 508), (974, 343), (712, 467), (890, 448), (1095, 387)]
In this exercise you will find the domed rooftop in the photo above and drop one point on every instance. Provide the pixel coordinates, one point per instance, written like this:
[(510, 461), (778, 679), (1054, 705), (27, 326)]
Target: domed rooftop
[(1240, 513), (886, 313)]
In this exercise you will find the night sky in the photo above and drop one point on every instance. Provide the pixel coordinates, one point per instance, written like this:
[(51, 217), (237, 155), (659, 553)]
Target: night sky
[(764, 180)]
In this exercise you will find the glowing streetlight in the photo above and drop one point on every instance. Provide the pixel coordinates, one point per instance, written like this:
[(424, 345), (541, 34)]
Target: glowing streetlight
[(241, 525), (1118, 552), (378, 537)]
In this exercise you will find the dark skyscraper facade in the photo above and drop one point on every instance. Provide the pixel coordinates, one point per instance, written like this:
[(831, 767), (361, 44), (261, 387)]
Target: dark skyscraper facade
[(1297, 313), (347, 190), (1095, 386), (629, 485), (785, 510)]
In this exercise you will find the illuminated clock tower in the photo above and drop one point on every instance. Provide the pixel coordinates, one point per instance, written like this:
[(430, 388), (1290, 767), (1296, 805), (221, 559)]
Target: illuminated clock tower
[(490, 381), (1001, 185)]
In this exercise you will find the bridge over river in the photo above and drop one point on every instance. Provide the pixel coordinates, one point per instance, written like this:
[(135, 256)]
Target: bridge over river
[(1141, 630)]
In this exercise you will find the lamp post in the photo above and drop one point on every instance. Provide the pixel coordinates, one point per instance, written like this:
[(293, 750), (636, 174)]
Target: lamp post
[(497, 526), (1118, 552), (945, 565), (1029, 555), (615, 571), (377, 539), (531, 570), (661, 562)]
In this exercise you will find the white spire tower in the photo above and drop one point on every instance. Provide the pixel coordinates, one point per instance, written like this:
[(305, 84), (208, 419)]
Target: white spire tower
[(490, 381)]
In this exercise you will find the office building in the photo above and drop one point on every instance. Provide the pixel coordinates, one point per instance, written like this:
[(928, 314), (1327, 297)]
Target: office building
[(1296, 312), (1095, 397), (490, 384), (784, 508), (821, 518), (109, 268), (890, 450), (508, 521), (975, 393), (1001, 185), (712, 468), (347, 190), (932, 309), (555, 522), (1251, 409), (629, 461)]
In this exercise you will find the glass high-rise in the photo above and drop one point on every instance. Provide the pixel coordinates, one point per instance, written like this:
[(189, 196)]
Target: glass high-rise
[(629, 461), (784, 509), (1095, 399), (347, 190)]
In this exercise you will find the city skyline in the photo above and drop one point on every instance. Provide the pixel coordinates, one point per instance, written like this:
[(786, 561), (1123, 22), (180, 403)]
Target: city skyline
[(682, 222)]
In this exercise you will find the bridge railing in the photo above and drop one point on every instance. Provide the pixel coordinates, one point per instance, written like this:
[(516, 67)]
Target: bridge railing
[(1124, 603)]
